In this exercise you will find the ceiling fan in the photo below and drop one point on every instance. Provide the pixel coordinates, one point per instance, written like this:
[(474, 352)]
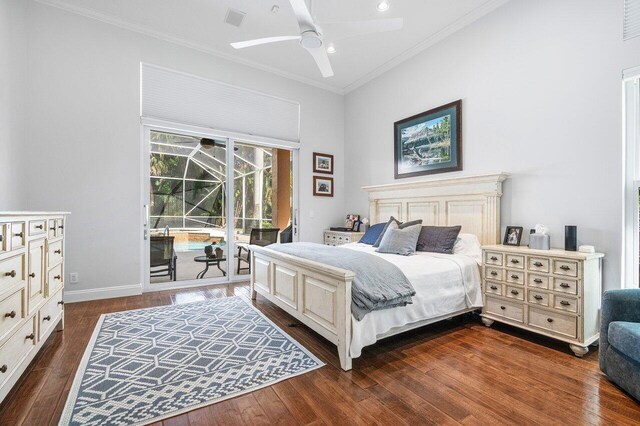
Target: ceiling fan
[(311, 34)]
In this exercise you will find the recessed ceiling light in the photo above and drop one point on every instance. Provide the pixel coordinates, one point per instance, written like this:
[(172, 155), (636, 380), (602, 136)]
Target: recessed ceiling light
[(331, 49), (383, 6)]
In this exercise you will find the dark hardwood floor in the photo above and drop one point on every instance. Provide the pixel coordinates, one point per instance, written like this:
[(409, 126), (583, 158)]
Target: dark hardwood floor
[(453, 372)]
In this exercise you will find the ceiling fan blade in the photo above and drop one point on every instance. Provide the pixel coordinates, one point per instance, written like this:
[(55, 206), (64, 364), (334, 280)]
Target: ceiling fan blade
[(322, 60), (341, 30), (303, 15), (259, 41)]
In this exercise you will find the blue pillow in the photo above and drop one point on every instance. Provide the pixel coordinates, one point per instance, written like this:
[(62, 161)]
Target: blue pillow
[(372, 234)]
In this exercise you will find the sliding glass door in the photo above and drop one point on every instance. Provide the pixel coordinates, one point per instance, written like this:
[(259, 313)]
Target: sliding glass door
[(194, 183)]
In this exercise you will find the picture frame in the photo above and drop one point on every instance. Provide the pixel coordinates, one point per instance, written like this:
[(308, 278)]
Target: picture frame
[(322, 163), (512, 235), (429, 142), (352, 222), (322, 186)]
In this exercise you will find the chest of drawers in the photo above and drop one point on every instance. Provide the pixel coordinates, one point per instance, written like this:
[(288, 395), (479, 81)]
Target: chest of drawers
[(31, 281), (551, 292), (338, 238)]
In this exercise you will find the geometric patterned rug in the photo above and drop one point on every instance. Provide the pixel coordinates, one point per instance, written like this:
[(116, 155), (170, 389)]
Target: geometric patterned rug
[(145, 365)]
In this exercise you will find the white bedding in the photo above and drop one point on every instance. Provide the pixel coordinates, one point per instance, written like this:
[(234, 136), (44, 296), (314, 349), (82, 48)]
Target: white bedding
[(444, 284)]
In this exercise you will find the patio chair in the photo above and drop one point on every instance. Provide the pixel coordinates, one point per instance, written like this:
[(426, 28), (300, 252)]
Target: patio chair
[(260, 237), (163, 256)]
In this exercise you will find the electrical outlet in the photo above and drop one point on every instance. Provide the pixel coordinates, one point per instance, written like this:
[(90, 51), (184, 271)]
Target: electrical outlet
[(73, 278)]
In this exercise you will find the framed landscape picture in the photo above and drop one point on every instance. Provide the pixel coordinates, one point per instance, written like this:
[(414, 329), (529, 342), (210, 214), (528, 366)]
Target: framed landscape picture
[(323, 186), (322, 163), (429, 142)]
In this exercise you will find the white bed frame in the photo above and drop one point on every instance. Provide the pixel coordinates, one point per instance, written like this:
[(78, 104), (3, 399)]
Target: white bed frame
[(319, 295)]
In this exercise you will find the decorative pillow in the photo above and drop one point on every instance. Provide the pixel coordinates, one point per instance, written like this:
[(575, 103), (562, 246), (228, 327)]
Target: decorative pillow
[(373, 233), (401, 241), (438, 239), (468, 245), (400, 225)]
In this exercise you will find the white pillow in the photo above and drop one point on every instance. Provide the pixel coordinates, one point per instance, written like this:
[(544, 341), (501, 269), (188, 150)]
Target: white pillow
[(469, 245)]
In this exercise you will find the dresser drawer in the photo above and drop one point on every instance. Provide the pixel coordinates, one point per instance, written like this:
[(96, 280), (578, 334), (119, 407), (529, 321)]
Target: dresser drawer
[(54, 253), (11, 271), (16, 349), (539, 264), (515, 261), (55, 279), (505, 308), (565, 325), (565, 303), (493, 288), (494, 273), (52, 229), (538, 281), (516, 277), (565, 267), (5, 241), (493, 258), (565, 285), (18, 235), (515, 293), (37, 227), (538, 297), (11, 313), (49, 314)]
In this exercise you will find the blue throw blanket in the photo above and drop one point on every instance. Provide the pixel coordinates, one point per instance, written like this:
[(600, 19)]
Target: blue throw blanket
[(378, 284)]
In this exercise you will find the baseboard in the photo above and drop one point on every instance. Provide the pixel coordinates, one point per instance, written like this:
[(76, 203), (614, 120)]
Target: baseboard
[(74, 296)]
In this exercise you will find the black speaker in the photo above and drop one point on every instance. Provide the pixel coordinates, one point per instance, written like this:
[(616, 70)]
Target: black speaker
[(571, 238)]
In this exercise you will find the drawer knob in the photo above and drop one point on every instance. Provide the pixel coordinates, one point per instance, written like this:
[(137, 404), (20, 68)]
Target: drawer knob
[(537, 280), (515, 292), (564, 285), (31, 336), (515, 277), (3, 369), (564, 303), (538, 264), (59, 251), (515, 261), (565, 268), (47, 318), (493, 287), (57, 277), (39, 226), (52, 229), (11, 314), (494, 273), (494, 258), (19, 235), (61, 302), (537, 297), (60, 227), (503, 308), (32, 275), (11, 274), (549, 319)]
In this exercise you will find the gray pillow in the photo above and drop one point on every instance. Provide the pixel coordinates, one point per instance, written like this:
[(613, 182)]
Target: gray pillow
[(400, 225), (438, 239), (400, 240)]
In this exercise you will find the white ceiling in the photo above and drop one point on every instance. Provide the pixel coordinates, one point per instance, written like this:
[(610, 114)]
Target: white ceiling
[(200, 24)]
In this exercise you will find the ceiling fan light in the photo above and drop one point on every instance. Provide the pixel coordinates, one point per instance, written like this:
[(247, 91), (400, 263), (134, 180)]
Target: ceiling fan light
[(383, 6), (331, 49)]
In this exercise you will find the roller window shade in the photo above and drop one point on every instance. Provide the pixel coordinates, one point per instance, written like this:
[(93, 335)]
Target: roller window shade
[(631, 19), (188, 99)]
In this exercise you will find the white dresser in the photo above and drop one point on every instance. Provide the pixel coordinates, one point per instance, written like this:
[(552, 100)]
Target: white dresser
[(31, 282), (338, 238), (551, 292)]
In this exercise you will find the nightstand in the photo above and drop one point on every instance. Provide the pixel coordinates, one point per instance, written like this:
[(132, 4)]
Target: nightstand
[(338, 238)]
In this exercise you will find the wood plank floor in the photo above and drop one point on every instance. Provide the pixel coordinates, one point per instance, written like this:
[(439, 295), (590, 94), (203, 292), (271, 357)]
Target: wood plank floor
[(454, 372)]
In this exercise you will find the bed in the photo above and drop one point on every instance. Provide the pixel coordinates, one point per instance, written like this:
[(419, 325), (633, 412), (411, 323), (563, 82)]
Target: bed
[(319, 295)]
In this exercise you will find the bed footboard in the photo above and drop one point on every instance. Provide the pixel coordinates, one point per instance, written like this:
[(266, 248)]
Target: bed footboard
[(315, 294)]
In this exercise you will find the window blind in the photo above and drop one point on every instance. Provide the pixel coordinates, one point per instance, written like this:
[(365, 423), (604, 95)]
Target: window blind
[(183, 98), (631, 19)]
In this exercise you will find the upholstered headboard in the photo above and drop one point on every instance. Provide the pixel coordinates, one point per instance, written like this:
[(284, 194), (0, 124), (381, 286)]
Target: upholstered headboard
[(470, 201)]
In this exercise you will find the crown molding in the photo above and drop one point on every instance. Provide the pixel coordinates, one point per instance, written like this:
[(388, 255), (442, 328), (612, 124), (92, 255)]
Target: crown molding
[(450, 29), (145, 30)]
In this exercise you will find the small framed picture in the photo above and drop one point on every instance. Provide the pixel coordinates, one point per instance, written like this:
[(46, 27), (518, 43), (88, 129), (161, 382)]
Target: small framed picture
[(323, 186), (352, 222), (512, 236), (322, 163)]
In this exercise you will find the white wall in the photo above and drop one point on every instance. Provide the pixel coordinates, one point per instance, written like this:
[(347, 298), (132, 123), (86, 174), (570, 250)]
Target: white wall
[(12, 61), (541, 88), (84, 136)]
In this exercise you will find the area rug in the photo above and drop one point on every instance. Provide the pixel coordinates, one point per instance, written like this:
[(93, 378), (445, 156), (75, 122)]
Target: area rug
[(149, 364)]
